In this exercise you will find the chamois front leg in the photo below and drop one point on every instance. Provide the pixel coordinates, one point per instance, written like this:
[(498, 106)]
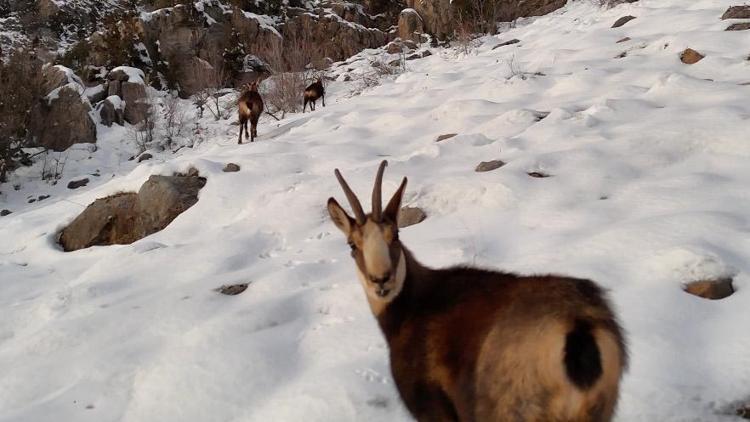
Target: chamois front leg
[(323, 97)]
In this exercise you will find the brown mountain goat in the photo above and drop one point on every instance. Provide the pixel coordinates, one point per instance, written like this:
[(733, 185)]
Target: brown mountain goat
[(250, 106), (469, 344), (312, 93)]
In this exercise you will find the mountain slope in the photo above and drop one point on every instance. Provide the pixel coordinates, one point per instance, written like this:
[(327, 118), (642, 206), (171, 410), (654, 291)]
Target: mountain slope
[(647, 159)]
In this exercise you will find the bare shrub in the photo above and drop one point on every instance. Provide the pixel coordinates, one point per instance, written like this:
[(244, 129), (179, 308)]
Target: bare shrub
[(53, 166), (21, 84), (173, 119), (463, 34), (212, 81), (295, 64), (142, 133)]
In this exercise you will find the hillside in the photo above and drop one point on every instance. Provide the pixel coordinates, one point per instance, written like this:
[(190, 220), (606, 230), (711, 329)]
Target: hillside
[(622, 164)]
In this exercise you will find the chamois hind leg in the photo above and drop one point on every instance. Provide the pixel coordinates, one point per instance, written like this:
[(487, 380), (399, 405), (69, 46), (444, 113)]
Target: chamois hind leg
[(243, 123), (253, 127), (312, 105)]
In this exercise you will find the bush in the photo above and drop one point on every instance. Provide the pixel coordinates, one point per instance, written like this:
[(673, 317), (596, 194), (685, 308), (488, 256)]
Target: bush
[(295, 64)]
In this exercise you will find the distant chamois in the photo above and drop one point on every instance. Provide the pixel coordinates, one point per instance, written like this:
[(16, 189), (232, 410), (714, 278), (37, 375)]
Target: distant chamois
[(312, 93), (250, 108), (469, 344)]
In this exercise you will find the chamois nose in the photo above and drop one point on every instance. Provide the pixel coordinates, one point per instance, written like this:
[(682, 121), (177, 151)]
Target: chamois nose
[(382, 279)]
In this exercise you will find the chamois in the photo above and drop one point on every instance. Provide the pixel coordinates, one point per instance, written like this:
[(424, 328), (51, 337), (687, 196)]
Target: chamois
[(312, 93), (250, 106), (469, 344)]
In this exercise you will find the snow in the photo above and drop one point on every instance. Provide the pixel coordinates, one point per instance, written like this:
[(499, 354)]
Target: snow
[(116, 101), (135, 75), (55, 93), (266, 22), (648, 190)]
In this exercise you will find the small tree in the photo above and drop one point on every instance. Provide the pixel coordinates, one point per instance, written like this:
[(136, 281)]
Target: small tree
[(21, 84)]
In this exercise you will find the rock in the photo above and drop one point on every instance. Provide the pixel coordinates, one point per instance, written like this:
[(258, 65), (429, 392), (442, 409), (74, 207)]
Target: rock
[(3, 213), (744, 412), (711, 289), (623, 40), (409, 216), (538, 174), (136, 107), (426, 53), (231, 168), (75, 184), (233, 289), (690, 56), (737, 12), (54, 77), (42, 197), (410, 26), (128, 84), (489, 166), (145, 156), (63, 114), (744, 26), (337, 37), (503, 44), (347, 77), (394, 47), (622, 21), (107, 221), (445, 136), (47, 9), (438, 16), (98, 93), (162, 198), (126, 217), (112, 110)]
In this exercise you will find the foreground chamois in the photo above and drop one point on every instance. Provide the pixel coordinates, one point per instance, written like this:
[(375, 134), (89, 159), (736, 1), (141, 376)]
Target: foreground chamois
[(312, 93), (468, 344), (250, 106)]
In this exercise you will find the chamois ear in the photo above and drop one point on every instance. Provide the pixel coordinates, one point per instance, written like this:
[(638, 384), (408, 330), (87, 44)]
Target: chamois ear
[(340, 218), (394, 205)]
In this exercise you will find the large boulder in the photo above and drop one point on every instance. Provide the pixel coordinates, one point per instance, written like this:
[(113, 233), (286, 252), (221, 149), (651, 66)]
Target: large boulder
[(337, 37), (128, 84), (439, 15), (110, 220), (737, 12), (410, 25), (126, 217), (112, 110), (62, 118), (162, 198)]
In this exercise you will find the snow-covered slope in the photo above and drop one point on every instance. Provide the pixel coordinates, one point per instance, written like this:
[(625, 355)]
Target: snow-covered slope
[(648, 160)]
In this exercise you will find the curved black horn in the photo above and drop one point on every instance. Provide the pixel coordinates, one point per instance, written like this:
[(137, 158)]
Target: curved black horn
[(359, 214), (377, 201)]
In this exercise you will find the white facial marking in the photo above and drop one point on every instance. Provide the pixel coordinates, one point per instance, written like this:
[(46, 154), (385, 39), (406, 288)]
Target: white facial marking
[(375, 251), (394, 286)]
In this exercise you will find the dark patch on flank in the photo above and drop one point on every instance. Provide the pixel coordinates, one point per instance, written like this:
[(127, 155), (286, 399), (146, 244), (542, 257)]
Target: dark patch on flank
[(583, 362)]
